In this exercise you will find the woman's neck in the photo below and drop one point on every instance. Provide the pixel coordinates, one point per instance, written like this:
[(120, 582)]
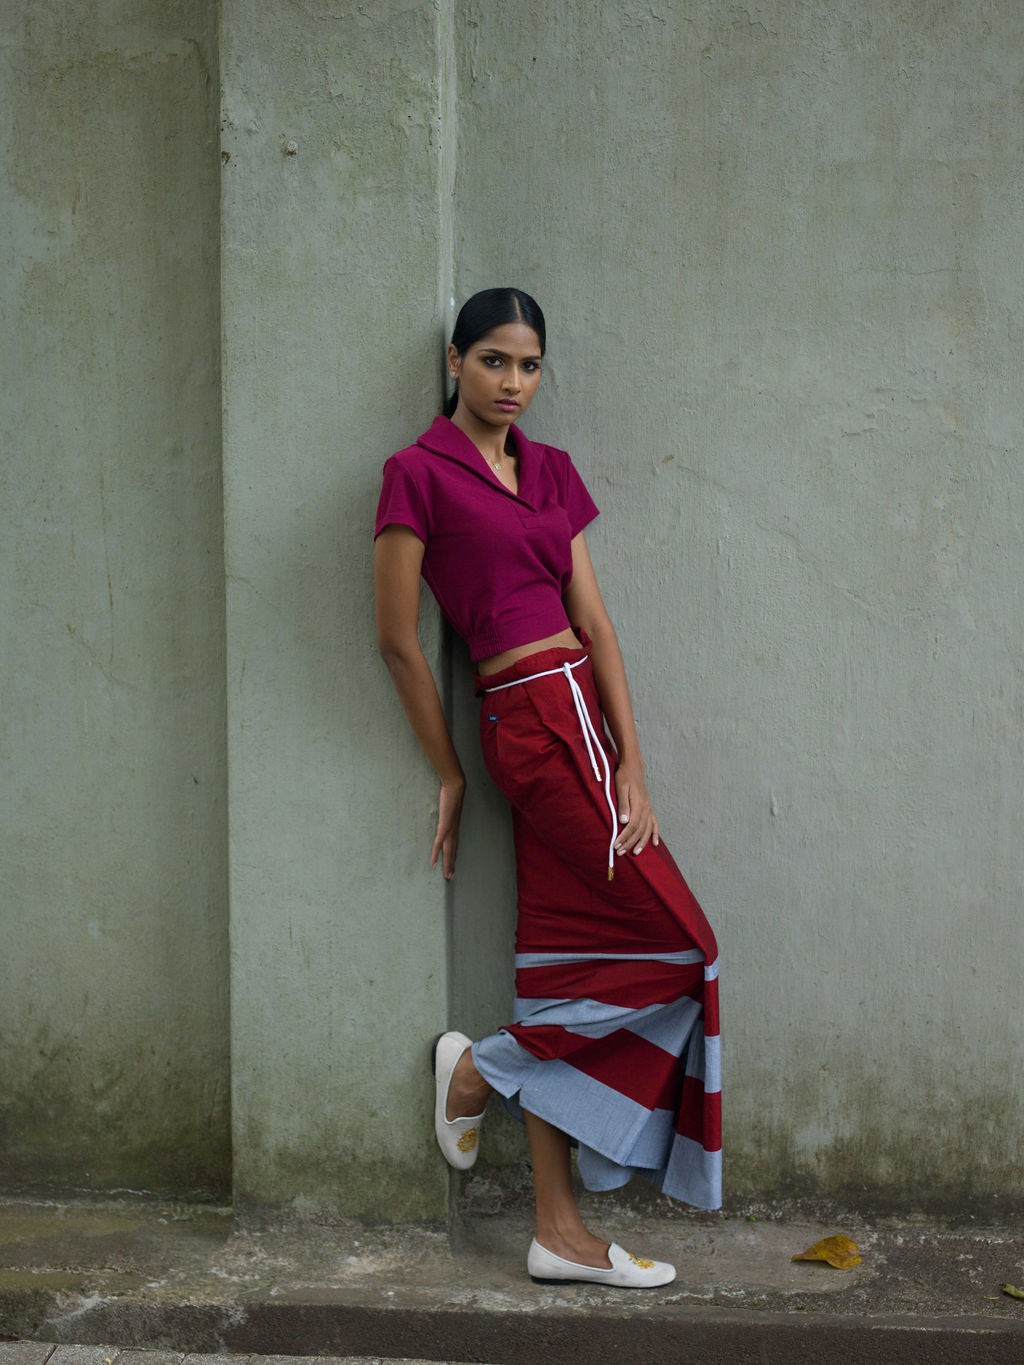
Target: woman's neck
[(489, 440)]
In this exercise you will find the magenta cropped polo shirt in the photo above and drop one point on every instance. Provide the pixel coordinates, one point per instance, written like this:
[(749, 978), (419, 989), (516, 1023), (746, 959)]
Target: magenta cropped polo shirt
[(498, 562)]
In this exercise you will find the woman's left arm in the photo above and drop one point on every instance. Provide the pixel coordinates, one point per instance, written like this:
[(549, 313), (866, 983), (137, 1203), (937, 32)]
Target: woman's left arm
[(586, 610)]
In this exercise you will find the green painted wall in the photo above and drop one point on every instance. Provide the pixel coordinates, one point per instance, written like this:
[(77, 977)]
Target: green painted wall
[(113, 973), (778, 247), (331, 258), (778, 250)]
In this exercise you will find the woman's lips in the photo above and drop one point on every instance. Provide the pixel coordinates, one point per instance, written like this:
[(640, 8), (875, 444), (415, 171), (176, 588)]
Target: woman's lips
[(507, 403)]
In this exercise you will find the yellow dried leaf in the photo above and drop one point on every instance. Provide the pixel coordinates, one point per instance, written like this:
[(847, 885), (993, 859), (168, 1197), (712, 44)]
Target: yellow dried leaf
[(838, 1251)]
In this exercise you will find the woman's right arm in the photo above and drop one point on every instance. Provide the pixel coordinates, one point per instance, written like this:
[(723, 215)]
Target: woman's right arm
[(398, 555)]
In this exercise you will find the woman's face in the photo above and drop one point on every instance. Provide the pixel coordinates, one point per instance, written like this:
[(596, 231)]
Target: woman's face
[(499, 374)]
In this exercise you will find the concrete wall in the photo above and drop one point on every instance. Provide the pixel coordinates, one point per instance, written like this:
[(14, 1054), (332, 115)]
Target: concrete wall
[(332, 258), (778, 247), (113, 970)]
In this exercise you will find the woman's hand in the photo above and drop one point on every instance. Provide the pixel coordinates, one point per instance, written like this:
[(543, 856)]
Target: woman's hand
[(446, 841), (635, 811)]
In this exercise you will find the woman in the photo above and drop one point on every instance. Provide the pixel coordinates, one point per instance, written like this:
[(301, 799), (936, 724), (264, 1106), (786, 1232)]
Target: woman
[(614, 1047)]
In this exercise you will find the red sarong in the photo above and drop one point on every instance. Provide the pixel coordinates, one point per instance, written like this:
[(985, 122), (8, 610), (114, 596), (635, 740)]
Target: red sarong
[(615, 1034)]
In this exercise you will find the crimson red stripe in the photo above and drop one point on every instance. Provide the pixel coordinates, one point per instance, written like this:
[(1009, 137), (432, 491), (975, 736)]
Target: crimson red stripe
[(631, 984), (636, 1068), (711, 1023), (633, 1067), (699, 1116)]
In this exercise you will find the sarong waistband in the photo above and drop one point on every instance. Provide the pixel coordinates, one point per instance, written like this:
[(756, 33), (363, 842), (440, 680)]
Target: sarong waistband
[(590, 738)]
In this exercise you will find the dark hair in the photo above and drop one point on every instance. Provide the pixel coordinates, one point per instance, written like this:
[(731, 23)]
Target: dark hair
[(489, 309)]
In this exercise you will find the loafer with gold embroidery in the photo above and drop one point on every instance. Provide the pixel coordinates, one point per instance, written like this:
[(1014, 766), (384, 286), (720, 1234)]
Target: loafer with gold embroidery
[(625, 1272), (459, 1138)]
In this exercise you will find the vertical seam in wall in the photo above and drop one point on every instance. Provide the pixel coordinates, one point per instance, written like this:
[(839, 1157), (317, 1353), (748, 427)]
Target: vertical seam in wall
[(447, 148), (447, 117), (218, 69)]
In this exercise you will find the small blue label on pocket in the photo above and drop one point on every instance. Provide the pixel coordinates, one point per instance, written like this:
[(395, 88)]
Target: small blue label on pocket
[(492, 717)]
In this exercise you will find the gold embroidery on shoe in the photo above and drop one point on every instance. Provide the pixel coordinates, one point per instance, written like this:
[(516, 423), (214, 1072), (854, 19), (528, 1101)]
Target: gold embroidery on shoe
[(467, 1142), (641, 1261)]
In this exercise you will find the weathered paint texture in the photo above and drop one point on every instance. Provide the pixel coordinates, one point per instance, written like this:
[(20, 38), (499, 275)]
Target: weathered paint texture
[(113, 969), (779, 250)]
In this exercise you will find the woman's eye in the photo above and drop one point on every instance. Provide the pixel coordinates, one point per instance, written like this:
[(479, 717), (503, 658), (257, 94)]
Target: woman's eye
[(531, 365), (492, 361)]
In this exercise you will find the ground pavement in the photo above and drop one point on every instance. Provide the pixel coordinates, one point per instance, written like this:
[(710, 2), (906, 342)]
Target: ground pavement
[(139, 1281)]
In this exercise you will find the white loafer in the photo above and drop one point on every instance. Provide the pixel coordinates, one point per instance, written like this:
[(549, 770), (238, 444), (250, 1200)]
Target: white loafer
[(626, 1271), (458, 1138)]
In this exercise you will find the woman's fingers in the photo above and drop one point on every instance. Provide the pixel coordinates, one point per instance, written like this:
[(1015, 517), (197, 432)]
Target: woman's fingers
[(451, 847), (635, 814), (637, 840), (645, 837), (622, 790), (637, 833), (626, 837), (634, 808), (446, 840), (446, 846)]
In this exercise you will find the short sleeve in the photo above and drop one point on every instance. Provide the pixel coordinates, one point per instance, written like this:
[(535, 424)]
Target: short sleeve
[(401, 502), (579, 505)]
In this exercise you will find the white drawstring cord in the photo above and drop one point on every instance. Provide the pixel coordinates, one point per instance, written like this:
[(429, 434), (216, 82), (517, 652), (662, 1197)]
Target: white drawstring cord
[(587, 726), (590, 738), (548, 673)]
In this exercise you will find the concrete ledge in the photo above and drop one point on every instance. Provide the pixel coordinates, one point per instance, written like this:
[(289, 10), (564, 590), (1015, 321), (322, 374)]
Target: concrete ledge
[(147, 1275), (567, 1337), (45, 1353)]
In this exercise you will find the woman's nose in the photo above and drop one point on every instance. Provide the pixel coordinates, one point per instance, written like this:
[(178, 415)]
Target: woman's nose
[(512, 380)]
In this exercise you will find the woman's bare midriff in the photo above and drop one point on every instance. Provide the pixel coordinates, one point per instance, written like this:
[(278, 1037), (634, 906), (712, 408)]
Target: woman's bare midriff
[(497, 662)]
